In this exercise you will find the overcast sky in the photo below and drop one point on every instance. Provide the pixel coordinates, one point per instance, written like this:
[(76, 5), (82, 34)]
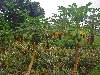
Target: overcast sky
[(51, 6)]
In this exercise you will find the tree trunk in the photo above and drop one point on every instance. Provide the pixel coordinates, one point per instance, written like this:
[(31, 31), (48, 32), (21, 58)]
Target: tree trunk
[(76, 61), (31, 63)]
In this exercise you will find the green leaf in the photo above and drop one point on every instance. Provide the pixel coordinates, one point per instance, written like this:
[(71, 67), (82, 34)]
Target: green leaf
[(74, 5), (88, 4)]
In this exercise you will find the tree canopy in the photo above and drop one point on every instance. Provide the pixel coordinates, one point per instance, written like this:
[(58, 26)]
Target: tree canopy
[(14, 11)]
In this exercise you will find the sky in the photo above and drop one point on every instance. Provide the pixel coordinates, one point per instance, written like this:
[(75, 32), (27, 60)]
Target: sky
[(51, 6)]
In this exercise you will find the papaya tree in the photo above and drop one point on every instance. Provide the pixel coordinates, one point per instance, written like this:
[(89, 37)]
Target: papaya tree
[(71, 19)]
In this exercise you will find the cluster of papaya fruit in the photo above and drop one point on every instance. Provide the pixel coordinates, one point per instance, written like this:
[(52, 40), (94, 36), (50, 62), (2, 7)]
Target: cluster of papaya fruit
[(78, 35), (90, 39), (58, 34)]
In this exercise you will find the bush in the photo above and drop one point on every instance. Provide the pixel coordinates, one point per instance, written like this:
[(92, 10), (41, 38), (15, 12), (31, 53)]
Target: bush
[(95, 71)]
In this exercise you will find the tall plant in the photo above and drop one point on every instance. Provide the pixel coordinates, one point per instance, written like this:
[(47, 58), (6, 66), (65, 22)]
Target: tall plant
[(72, 17)]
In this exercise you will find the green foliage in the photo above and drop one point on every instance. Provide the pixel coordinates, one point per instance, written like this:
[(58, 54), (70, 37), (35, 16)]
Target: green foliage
[(59, 58), (36, 37), (88, 61), (35, 9), (5, 32), (15, 11), (16, 60), (56, 61), (69, 44), (95, 71)]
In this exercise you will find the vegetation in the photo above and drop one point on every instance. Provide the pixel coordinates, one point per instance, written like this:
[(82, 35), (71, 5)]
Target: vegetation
[(33, 45), (15, 11)]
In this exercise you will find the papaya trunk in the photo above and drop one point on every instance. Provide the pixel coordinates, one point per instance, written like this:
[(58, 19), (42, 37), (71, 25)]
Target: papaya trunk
[(32, 60), (76, 61)]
